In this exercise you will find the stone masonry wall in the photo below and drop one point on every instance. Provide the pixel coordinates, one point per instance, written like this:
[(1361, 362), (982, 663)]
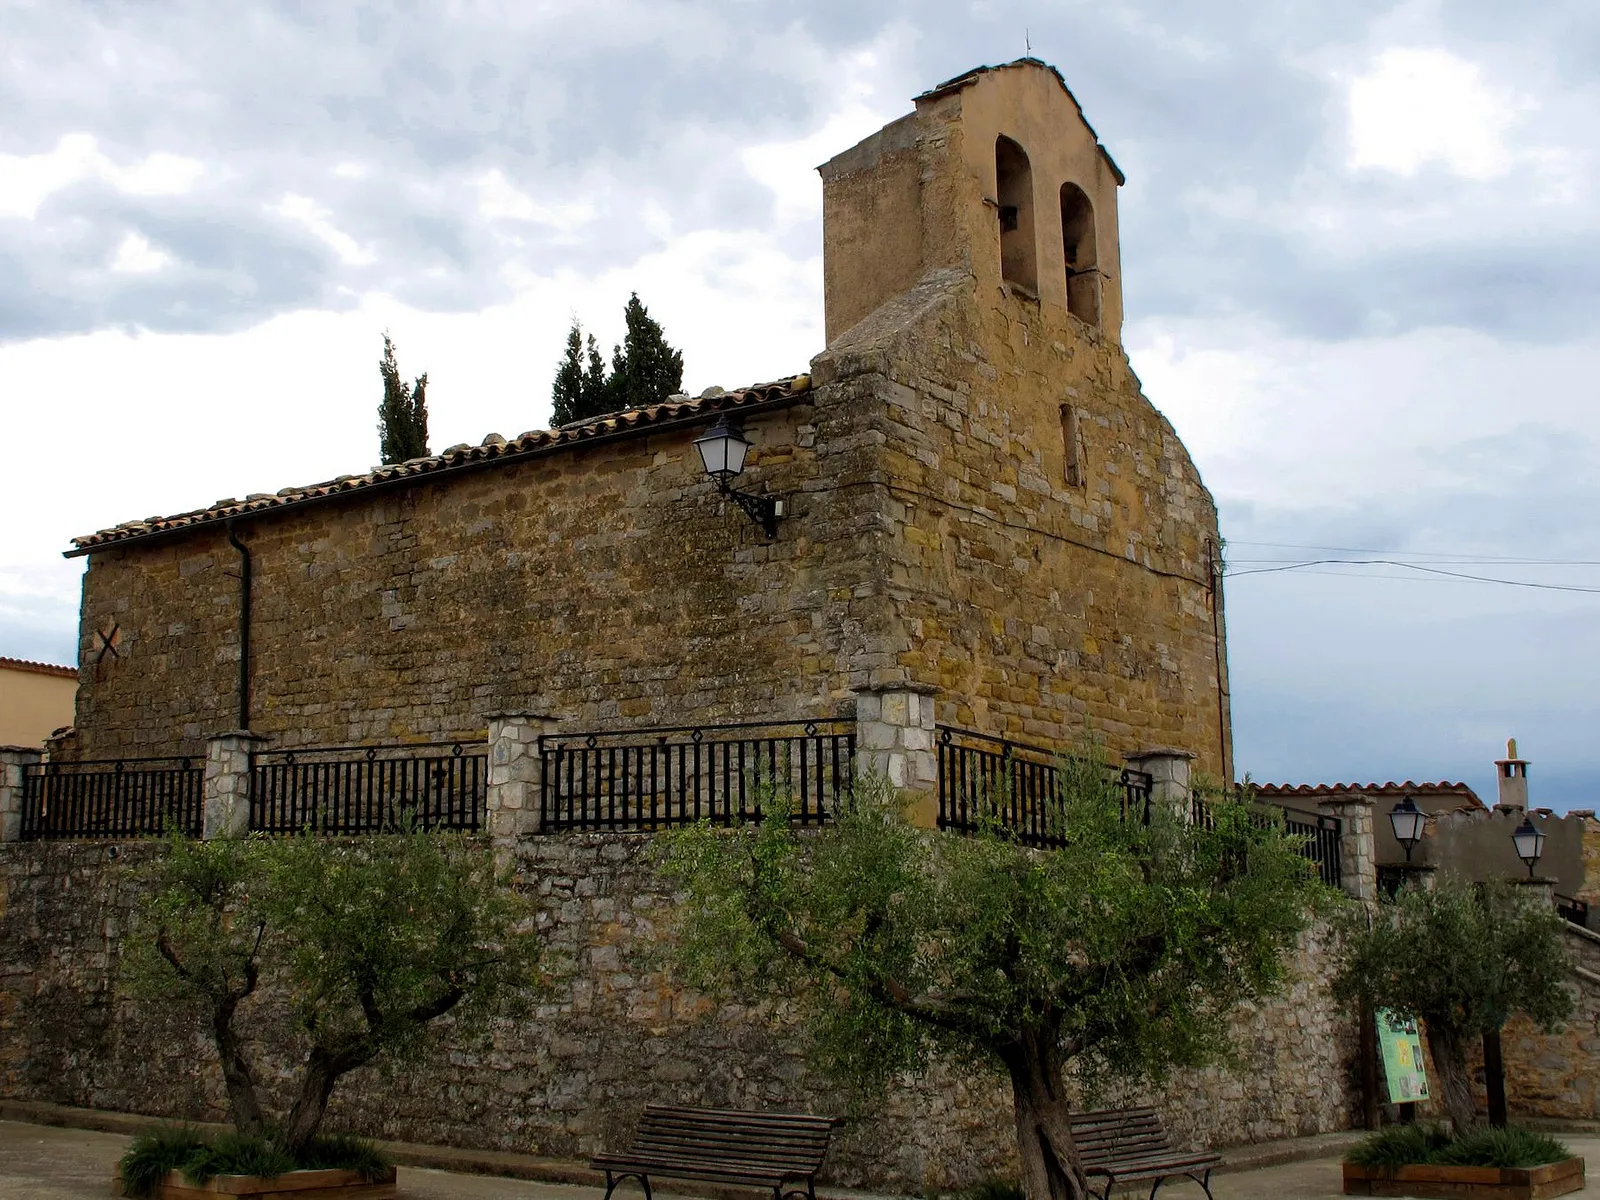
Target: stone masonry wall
[(615, 1034), (942, 535), (1050, 542), (1556, 1074), (608, 585)]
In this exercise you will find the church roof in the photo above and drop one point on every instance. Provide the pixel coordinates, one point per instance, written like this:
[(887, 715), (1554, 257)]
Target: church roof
[(494, 450)]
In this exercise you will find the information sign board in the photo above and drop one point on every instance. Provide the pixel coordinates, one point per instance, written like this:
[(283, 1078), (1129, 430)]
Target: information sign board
[(1401, 1047)]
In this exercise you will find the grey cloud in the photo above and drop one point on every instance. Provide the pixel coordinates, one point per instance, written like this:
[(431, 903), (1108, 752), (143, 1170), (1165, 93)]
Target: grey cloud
[(1371, 678), (622, 105)]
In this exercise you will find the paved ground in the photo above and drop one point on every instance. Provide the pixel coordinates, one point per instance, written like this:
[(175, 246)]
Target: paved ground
[(41, 1162)]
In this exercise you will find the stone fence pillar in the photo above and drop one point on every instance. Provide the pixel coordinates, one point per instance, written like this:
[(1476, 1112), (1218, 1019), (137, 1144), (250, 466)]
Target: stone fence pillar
[(1169, 772), (1539, 889), (227, 784), (12, 761), (1358, 847), (515, 773), (895, 739)]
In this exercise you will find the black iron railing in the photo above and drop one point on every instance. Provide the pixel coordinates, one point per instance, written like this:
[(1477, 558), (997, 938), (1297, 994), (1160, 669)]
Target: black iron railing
[(1012, 784), (655, 778), (1322, 836), (1572, 909), (369, 789), (112, 798)]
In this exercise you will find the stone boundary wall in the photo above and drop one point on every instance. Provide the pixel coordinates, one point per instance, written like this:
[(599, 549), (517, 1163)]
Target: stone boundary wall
[(617, 1033), (1556, 1074)]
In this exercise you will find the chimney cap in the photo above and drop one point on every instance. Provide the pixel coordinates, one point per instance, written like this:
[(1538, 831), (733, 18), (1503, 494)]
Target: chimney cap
[(1511, 754)]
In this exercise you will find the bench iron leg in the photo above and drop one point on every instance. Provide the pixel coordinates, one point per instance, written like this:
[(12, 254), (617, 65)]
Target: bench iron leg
[(644, 1182)]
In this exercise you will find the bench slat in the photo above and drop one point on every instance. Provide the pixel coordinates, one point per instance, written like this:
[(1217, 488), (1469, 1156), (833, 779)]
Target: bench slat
[(1133, 1146), (726, 1145)]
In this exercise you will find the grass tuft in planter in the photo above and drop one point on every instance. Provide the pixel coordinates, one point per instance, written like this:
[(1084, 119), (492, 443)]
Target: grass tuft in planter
[(1480, 1146), (144, 1168)]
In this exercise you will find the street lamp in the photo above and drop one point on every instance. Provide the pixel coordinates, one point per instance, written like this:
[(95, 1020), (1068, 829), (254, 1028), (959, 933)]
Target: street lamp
[(1529, 843), (1407, 820), (722, 449)]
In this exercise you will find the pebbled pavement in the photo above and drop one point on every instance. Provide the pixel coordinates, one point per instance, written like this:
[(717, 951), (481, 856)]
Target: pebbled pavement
[(42, 1162)]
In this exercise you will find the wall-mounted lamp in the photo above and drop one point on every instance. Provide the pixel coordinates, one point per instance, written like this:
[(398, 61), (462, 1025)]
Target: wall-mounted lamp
[(1407, 820), (722, 452), (1529, 842)]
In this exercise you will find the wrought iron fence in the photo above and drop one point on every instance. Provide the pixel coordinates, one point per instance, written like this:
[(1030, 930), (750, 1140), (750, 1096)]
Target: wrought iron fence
[(112, 798), (1013, 784), (1322, 836), (369, 789), (1572, 909), (655, 778)]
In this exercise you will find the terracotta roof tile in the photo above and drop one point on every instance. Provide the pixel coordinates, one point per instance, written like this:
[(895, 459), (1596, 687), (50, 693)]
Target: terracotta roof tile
[(1329, 791), (491, 450), (38, 668)]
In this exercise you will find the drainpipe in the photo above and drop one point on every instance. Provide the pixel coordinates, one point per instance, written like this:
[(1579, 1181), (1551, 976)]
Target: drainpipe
[(244, 627), (1214, 586)]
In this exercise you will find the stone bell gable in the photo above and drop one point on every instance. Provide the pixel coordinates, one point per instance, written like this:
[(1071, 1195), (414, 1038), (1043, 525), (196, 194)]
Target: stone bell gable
[(1052, 550), (996, 174), (978, 504)]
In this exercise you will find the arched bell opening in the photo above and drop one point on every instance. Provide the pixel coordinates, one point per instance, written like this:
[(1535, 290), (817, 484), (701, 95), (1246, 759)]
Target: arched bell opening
[(1014, 192), (1082, 263)]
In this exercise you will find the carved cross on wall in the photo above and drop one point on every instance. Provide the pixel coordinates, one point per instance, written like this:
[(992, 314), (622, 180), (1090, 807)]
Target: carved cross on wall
[(108, 642)]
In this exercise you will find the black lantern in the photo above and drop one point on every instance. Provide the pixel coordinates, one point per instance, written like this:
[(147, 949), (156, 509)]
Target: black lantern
[(1407, 820), (1529, 842), (722, 449)]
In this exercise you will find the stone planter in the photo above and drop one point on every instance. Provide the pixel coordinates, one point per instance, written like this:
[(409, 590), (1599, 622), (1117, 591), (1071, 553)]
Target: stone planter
[(294, 1185), (1486, 1183)]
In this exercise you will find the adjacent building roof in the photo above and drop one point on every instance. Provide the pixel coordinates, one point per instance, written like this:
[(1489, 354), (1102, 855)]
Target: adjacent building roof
[(1441, 793), (494, 450), (37, 668)]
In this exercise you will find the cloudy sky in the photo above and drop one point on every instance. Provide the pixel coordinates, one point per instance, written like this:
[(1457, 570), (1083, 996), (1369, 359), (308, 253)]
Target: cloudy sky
[(1359, 247)]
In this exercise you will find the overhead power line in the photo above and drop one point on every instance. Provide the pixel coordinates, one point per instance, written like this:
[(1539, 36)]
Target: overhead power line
[(1460, 556), (1411, 566)]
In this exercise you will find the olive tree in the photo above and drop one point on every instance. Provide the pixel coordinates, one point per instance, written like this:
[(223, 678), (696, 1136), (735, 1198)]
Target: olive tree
[(1122, 951), (373, 940), (1461, 957)]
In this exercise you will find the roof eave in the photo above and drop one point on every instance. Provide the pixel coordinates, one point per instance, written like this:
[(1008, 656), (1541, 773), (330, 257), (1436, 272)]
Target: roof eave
[(699, 415)]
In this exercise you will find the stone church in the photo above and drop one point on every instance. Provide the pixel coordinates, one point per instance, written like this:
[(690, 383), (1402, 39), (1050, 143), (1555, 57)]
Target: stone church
[(965, 504), (978, 505)]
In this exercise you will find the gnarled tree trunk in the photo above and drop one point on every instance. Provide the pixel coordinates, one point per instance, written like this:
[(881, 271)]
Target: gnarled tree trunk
[(1050, 1166), (323, 1069), (243, 1103), (1449, 1048)]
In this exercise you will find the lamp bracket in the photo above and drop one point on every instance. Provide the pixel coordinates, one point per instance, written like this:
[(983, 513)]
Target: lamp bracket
[(763, 510)]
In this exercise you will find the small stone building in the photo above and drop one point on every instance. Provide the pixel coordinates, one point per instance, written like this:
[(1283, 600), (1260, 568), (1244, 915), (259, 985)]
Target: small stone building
[(35, 700), (980, 505)]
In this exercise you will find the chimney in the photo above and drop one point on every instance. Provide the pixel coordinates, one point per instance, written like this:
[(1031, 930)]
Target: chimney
[(1513, 780)]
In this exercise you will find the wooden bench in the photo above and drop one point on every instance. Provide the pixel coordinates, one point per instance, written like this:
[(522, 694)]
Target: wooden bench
[(781, 1151), (1130, 1145)]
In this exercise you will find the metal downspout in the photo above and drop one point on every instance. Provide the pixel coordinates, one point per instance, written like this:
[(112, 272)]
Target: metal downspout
[(244, 626)]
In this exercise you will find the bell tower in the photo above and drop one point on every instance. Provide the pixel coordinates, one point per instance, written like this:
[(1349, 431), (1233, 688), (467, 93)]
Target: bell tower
[(996, 172)]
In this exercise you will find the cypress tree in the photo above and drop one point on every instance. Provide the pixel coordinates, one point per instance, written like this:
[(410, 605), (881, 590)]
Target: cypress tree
[(597, 387), (645, 369), (567, 394), (403, 412)]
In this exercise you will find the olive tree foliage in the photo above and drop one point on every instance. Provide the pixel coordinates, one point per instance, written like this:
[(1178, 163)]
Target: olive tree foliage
[(1122, 953), (373, 940), (1461, 957)]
